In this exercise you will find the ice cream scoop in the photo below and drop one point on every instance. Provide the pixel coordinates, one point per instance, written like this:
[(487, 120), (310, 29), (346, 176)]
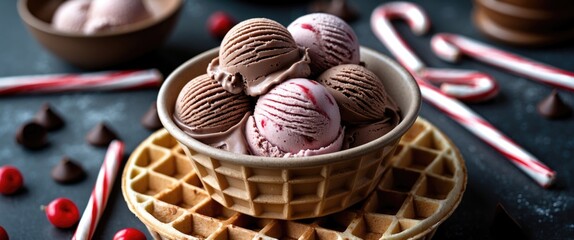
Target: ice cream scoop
[(359, 134), (298, 117), (255, 55), (330, 40), (209, 113), (71, 16), (108, 14), (93, 16), (360, 94), (366, 108)]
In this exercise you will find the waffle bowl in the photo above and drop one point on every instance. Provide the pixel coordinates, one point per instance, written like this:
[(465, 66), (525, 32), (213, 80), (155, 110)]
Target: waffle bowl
[(422, 186), (299, 187)]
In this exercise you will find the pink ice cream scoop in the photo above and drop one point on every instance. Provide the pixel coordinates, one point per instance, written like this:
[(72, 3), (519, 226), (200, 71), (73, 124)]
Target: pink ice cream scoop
[(93, 16), (298, 117), (71, 15), (107, 14), (330, 40)]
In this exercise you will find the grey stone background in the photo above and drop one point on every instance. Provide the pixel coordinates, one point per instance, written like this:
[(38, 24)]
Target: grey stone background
[(543, 213)]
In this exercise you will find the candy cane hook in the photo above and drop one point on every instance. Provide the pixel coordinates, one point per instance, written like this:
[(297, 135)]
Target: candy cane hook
[(451, 47), (381, 26), (466, 85)]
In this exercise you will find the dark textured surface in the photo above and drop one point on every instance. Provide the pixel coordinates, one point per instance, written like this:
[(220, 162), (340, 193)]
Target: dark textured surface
[(543, 213)]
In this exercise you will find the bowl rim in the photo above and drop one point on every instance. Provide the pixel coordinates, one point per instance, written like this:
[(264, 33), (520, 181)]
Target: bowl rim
[(394, 135), (31, 20)]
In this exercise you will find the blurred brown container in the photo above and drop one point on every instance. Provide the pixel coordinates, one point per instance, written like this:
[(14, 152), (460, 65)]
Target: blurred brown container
[(525, 22)]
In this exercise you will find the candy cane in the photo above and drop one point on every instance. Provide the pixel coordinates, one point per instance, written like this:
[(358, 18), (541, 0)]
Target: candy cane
[(111, 80), (453, 108), (463, 84), (101, 191), (466, 85), (451, 47)]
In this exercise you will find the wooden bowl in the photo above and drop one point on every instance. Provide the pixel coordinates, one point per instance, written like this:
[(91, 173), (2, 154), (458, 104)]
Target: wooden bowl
[(103, 49)]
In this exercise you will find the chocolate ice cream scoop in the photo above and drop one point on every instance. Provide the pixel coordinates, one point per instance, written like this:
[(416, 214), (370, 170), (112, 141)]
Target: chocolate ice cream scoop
[(209, 113), (360, 94), (257, 54), (356, 135)]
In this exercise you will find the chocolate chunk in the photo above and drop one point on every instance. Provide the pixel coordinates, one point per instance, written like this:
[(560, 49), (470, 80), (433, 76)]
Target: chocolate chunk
[(101, 135), (553, 107), (68, 171), (48, 118), (150, 119), (339, 8), (32, 135), (504, 226)]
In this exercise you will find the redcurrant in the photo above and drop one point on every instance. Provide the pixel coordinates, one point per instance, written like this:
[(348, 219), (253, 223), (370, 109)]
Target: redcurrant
[(62, 213), (219, 24), (3, 234), (129, 234), (10, 180)]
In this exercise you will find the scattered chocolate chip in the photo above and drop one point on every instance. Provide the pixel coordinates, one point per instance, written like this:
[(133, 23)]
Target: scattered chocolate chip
[(32, 135), (101, 135), (504, 226), (339, 8), (553, 107), (150, 119), (68, 171), (48, 118)]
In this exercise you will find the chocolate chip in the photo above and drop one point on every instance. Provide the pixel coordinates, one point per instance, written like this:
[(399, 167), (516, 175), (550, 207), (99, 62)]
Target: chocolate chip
[(553, 107), (68, 171), (339, 8), (48, 118), (101, 135), (504, 226), (32, 135), (150, 119)]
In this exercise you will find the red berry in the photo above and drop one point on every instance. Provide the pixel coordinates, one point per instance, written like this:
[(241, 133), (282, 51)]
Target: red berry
[(129, 234), (219, 24), (3, 234), (62, 213), (10, 180)]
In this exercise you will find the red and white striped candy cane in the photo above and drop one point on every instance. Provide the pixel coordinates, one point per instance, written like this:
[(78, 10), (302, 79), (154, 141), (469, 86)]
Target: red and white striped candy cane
[(101, 191), (525, 161), (109, 80), (451, 47), (466, 85), (473, 122)]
